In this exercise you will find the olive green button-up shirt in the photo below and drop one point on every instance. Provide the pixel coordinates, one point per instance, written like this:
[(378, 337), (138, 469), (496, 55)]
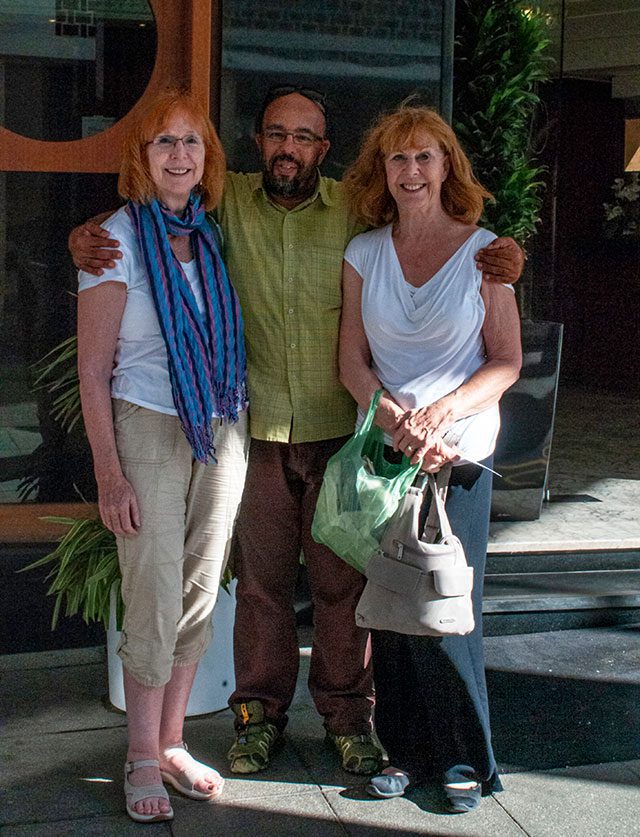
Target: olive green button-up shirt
[(286, 266)]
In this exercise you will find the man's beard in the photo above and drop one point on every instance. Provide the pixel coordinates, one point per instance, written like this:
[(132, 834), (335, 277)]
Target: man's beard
[(301, 185)]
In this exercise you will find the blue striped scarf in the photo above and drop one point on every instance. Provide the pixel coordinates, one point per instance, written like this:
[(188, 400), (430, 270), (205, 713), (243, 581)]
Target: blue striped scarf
[(207, 362)]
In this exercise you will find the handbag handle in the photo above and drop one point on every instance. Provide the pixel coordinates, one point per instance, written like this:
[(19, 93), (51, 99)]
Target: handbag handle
[(437, 519)]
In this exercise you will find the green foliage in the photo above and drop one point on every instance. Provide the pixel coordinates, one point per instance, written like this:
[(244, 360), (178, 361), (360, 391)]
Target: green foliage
[(622, 215), (500, 58), (84, 567), (57, 372)]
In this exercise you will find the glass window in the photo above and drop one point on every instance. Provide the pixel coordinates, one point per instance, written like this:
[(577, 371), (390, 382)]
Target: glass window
[(39, 461), (68, 69), (365, 55), (71, 68)]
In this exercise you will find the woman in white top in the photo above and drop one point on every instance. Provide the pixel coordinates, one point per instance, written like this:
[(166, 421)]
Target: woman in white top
[(162, 380), (418, 321)]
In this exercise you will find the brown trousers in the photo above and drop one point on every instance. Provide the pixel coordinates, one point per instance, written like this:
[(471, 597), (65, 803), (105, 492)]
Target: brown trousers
[(274, 525)]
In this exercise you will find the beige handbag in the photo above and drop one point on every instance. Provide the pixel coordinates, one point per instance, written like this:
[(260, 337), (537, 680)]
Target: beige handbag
[(416, 586)]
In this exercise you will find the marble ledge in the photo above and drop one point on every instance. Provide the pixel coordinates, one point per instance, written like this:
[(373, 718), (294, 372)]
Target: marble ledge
[(565, 534), (567, 544)]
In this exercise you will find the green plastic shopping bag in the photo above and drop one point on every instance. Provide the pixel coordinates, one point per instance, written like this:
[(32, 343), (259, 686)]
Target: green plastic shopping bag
[(360, 492)]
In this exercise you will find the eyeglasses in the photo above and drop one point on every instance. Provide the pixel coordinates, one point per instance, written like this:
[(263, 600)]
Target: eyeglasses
[(167, 142), (277, 136)]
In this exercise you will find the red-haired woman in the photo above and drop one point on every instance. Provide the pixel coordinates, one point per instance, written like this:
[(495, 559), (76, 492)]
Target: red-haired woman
[(162, 380), (418, 321)]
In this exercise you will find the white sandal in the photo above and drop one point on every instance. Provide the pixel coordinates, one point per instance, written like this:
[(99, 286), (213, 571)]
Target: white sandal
[(136, 793), (184, 781)]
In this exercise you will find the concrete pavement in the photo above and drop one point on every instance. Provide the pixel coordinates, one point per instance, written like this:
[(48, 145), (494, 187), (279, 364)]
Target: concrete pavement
[(562, 703)]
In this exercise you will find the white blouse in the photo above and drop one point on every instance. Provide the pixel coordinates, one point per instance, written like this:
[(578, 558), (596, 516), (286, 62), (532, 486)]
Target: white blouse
[(425, 342), (141, 371)]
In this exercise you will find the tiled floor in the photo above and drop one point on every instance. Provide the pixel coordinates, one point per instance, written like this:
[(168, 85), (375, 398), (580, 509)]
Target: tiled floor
[(594, 480), (568, 698), (562, 708)]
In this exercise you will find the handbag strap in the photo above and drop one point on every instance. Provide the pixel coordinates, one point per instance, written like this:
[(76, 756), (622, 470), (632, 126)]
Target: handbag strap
[(437, 519)]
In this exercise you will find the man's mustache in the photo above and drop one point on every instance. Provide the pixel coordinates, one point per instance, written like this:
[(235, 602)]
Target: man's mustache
[(284, 158)]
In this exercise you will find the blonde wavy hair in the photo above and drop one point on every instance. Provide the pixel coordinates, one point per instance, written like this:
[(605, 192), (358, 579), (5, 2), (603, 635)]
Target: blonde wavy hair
[(135, 182), (409, 126)]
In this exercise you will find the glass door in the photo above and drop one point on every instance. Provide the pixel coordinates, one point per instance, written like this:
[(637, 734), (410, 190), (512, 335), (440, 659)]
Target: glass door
[(72, 75)]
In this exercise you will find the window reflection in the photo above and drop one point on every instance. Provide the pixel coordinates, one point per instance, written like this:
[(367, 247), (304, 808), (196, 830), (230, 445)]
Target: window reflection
[(71, 68), (39, 461), (366, 56)]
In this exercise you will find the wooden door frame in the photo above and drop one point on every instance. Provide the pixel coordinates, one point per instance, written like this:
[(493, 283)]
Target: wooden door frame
[(177, 23)]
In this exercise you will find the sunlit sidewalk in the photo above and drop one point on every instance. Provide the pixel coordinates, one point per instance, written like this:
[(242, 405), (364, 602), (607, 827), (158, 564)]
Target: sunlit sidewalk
[(564, 698)]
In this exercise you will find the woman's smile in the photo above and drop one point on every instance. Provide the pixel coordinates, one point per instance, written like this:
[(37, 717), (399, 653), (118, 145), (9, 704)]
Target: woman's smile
[(416, 173), (176, 161)]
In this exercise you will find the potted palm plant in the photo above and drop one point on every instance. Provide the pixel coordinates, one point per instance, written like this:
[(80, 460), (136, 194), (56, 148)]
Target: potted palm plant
[(500, 59), (84, 574)]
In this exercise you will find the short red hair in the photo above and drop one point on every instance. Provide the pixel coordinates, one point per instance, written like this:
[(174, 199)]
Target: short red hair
[(135, 183), (365, 180)]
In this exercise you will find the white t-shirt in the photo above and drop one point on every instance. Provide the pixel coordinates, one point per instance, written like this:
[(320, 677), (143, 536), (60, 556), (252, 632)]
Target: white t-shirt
[(425, 342), (141, 371)]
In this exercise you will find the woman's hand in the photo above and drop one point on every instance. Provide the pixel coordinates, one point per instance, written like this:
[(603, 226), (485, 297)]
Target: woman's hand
[(422, 426), (434, 418), (437, 456), (118, 504), (418, 443)]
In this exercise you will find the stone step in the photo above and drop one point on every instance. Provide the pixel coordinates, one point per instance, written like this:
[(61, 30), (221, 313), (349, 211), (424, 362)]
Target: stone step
[(516, 603), (524, 592), (517, 592), (500, 563)]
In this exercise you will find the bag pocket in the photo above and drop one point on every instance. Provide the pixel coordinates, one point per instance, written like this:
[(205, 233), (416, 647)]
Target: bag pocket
[(394, 575), (454, 581)]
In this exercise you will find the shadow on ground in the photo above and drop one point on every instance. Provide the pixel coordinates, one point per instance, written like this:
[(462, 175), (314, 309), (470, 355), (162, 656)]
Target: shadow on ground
[(542, 721)]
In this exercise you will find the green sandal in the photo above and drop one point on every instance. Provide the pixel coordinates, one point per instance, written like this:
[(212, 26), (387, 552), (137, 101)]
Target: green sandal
[(255, 741), (359, 753)]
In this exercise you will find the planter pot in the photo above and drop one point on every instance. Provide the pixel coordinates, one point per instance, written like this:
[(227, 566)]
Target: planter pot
[(214, 679), (527, 412)]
